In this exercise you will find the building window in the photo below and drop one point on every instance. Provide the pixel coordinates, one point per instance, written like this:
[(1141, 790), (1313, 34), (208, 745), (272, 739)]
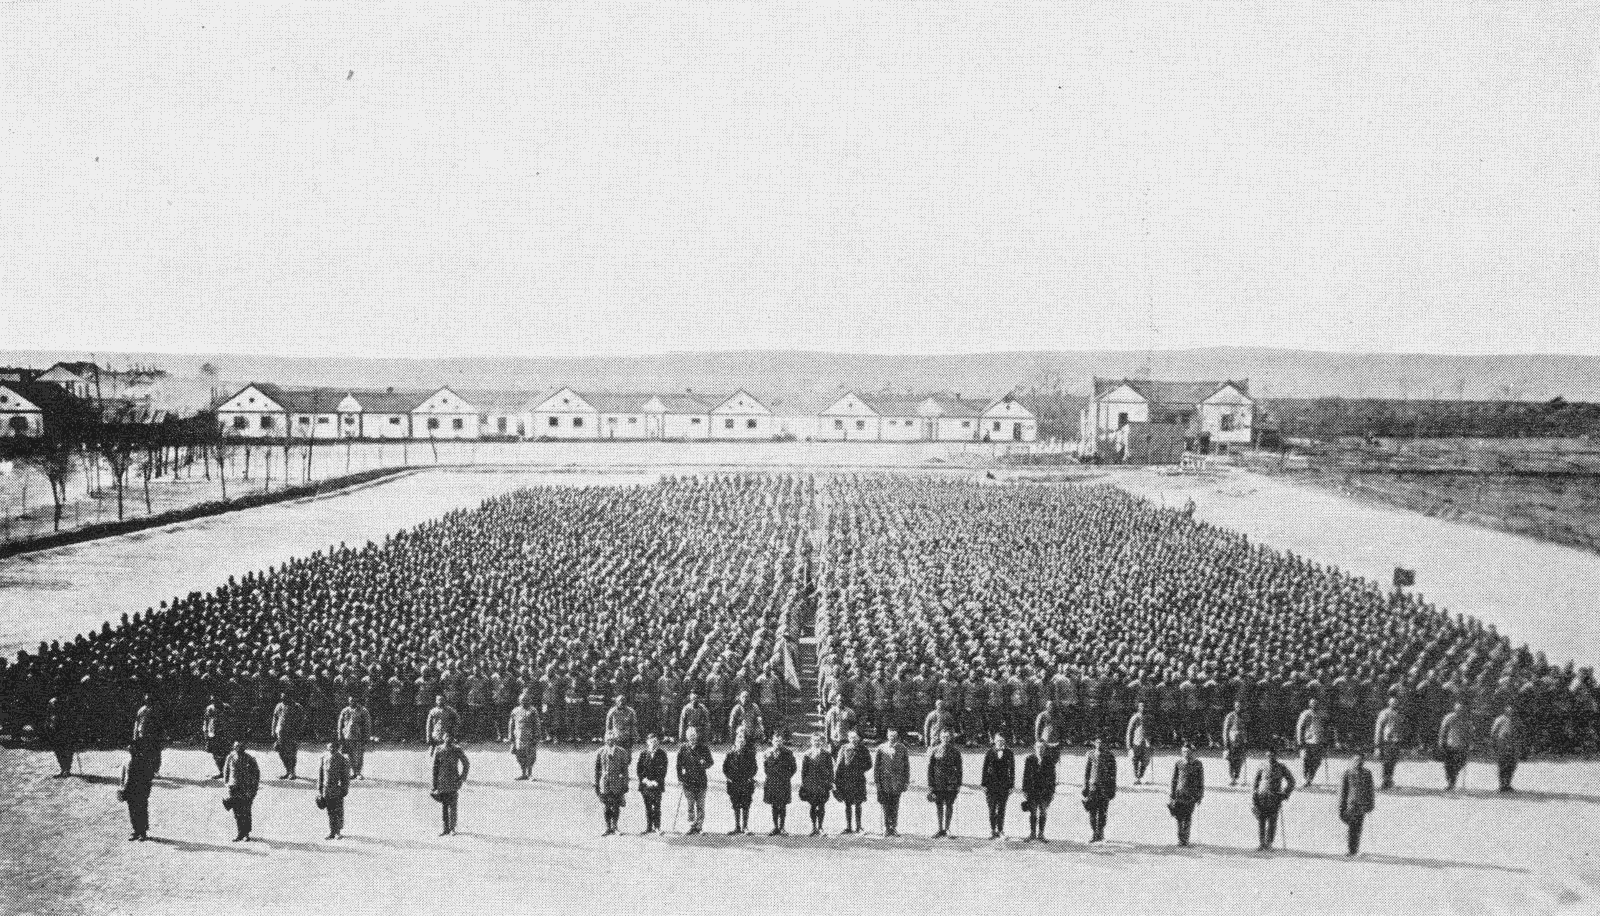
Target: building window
[(322, 421), (838, 424), (728, 423), (349, 420), (241, 423), (694, 421), (433, 422), (501, 423), (750, 424), (577, 422), (266, 422), (555, 421), (632, 420), (1122, 420), (305, 421), (997, 426), (861, 424), (966, 424), (394, 421), (458, 423), (1226, 422)]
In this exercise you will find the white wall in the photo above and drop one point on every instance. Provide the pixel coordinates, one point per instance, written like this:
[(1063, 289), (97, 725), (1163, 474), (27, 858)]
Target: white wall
[(899, 429), (252, 428), (584, 424)]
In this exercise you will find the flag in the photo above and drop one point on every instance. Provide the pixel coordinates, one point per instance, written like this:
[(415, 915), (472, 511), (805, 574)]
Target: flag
[(1404, 577)]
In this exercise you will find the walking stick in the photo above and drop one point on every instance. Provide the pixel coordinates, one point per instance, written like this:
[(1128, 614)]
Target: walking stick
[(676, 809), (1283, 827)]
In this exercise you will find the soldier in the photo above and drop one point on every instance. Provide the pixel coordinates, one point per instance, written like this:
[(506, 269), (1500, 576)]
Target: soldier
[(778, 766), (1455, 743), (1138, 743), (1099, 787), (746, 715), (891, 766), (215, 729), (450, 769), (149, 732), (1235, 745), (287, 718), (739, 772), (1273, 785), (60, 736), (1047, 724), (694, 717), (850, 779), (241, 777), (138, 774), (1038, 788), (999, 778), (838, 722), (652, 772), (524, 731), (622, 723), (694, 759), (944, 779), (1506, 734), (442, 722), (939, 719), (1188, 789), (333, 784), (353, 733), (1356, 799), (1389, 736), (816, 781), (1311, 735)]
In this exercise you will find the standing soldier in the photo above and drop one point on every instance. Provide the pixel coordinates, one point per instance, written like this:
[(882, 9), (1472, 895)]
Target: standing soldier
[(816, 781), (850, 779), (450, 768), (1138, 738), (241, 777), (1455, 743), (999, 778), (59, 735), (778, 765), (622, 723), (1235, 744), (891, 765), (694, 759), (937, 720), (1047, 724), (355, 730), (652, 773), (286, 723), (666, 689), (944, 779), (333, 784), (1311, 734), (1188, 789), (1273, 785), (1356, 799), (394, 714), (1038, 788), (524, 731), (138, 774), (214, 728), (695, 717), (1099, 787), (716, 700), (443, 722), (147, 731), (1507, 737), (1388, 736), (838, 722), (746, 715), (739, 772)]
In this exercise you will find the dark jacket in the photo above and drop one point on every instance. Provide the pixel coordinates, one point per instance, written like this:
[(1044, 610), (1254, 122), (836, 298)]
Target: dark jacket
[(891, 766), (241, 774), (1039, 777), (1356, 795), (1188, 782), (693, 762), (945, 770), (611, 770), (138, 774), (999, 771), (333, 777), (850, 773), (778, 763), (450, 768), (816, 776), (652, 772), (1100, 774), (739, 769)]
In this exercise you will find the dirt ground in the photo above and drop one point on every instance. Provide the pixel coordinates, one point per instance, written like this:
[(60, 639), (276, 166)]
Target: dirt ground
[(535, 847)]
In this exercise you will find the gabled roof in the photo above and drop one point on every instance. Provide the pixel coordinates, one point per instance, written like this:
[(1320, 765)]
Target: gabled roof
[(952, 406), (892, 406), (685, 403), (50, 398), (719, 404), (303, 400), (615, 401), (1169, 392), (500, 401), (83, 370), (389, 400)]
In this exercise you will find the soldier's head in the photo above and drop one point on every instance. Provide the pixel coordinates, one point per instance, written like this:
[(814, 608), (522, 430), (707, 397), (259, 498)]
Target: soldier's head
[(1099, 744), (1141, 706), (1311, 703), (744, 696), (449, 740), (1238, 706), (816, 742), (692, 736), (1361, 756), (438, 699), (855, 737), (1040, 748), (893, 736), (618, 701), (238, 747), (1394, 702), (1188, 751), (1461, 706), (652, 741), (283, 697), (54, 701), (837, 701), (946, 736), (333, 747), (1511, 710), (693, 698), (1272, 755)]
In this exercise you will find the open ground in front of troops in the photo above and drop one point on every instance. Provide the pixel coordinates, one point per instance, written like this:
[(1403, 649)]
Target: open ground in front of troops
[(536, 847)]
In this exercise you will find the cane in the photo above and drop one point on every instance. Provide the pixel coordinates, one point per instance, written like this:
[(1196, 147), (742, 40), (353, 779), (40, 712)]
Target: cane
[(676, 809), (1283, 827)]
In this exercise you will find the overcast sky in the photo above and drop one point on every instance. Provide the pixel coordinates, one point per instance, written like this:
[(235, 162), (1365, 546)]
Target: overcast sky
[(551, 180)]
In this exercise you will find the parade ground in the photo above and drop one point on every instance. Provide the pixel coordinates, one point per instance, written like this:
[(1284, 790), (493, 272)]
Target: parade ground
[(535, 847)]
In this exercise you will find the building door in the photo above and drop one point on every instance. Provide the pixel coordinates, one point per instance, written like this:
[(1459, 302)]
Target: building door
[(1016, 432)]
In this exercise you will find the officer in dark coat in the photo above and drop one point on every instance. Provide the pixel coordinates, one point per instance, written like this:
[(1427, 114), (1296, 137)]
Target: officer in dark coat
[(944, 779), (816, 781), (1038, 787), (216, 729), (287, 720), (60, 735), (739, 771), (1099, 787), (850, 779), (1506, 735), (652, 773), (611, 780), (1273, 785), (333, 785), (450, 769), (778, 767), (1357, 798), (891, 770), (1188, 788), (138, 774), (999, 778), (241, 776), (694, 759)]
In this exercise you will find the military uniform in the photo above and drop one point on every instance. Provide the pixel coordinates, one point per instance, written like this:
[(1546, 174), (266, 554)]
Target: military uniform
[(241, 776), (333, 785), (1187, 790), (1099, 788), (1356, 801), (998, 779)]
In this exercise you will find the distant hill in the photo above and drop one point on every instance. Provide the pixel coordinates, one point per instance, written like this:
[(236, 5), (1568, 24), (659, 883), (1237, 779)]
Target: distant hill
[(813, 376)]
